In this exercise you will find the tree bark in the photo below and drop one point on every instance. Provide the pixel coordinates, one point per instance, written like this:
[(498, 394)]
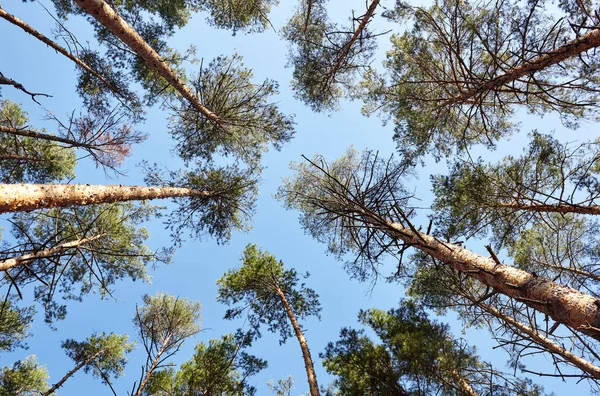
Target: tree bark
[(562, 303), (359, 29), (73, 371), (539, 339), (463, 384), (16, 21), (153, 365), (575, 47), (46, 136), (25, 197), (109, 18), (557, 208), (308, 363), (16, 261)]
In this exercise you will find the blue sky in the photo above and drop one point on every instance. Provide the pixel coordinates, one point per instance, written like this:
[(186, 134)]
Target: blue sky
[(198, 264)]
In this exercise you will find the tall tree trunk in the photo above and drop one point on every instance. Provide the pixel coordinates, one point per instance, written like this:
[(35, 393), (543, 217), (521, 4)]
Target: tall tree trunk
[(109, 18), (152, 367), (47, 136), (357, 32), (562, 303), (73, 371), (462, 384), (539, 339), (557, 208), (16, 261), (25, 197), (16, 21), (568, 50), (308, 363)]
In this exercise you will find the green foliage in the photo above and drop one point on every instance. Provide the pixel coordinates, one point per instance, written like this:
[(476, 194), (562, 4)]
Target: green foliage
[(250, 123), (454, 48), (36, 160), (25, 378), (120, 251), (415, 356), (253, 289), (219, 368), (103, 354), (14, 325), (245, 15), (228, 208)]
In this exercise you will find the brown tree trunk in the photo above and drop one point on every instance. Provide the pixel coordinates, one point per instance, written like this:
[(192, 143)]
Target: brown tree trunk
[(16, 261), (462, 384), (539, 339), (70, 373), (308, 363), (359, 29), (25, 197), (575, 47), (46, 136), (562, 303), (16, 21), (109, 18), (558, 208)]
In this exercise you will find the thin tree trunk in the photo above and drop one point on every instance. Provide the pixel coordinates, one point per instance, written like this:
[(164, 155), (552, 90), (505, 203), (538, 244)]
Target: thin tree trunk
[(557, 208), (46, 136), (16, 21), (539, 339), (109, 18), (153, 365), (562, 303), (25, 197), (70, 373), (463, 384), (308, 363), (16, 261), (359, 29), (575, 47)]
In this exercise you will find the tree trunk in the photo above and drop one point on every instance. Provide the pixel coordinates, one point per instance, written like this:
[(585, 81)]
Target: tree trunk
[(109, 18), (25, 197), (359, 29), (562, 303), (16, 261), (462, 384), (539, 339), (16, 157), (46, 136), (153, 365), (16, 21), (73, 371), (575, 47), (557, 208), (308, 363)]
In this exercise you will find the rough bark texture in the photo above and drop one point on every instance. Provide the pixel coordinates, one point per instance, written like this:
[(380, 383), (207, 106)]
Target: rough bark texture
[(25, 197), (562, 303), (70, 373), (16, 21), (582, 209), (579, 45), (109, 18), (308, 363), (539, 339), (359, 29), (46, 136), (16, 261)]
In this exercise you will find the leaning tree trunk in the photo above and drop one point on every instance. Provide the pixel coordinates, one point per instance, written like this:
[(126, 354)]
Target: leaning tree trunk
[(557, 208), (462, 384), (25, 197), (308, 363), (70, 373), (21, 260), (153, 365), (16, 21), (573, 48), (47, 136), (109, 18), (562, 303)]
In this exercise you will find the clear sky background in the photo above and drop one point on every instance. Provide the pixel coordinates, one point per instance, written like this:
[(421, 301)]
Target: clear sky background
[(198, 264)]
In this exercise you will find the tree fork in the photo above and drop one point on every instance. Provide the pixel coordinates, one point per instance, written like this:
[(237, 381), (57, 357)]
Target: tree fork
[(109, 18), (26, 197)]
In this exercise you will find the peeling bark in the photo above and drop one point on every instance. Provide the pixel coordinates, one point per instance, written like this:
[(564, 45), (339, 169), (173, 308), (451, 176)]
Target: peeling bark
[(109, 18), (25, 197), (308, 363)]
